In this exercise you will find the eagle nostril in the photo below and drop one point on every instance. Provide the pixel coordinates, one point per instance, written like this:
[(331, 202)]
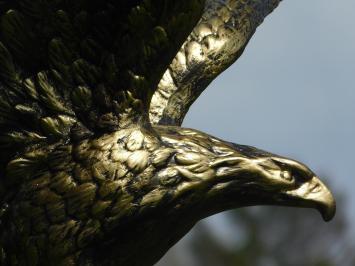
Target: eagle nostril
[(315, 188)]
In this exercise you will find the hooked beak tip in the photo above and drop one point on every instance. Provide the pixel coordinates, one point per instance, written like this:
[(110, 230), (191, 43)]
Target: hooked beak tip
[(327, 206), (315, 194)]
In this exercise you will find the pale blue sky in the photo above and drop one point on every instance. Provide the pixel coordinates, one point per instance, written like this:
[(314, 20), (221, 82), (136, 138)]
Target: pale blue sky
[(293, 91)]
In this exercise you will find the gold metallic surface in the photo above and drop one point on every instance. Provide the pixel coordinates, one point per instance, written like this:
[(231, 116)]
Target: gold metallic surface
[(318, 196), (216, 42), (94, 167)]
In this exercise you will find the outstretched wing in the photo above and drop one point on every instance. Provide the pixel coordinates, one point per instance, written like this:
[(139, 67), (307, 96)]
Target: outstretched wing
[(216, 42), (71, 69)]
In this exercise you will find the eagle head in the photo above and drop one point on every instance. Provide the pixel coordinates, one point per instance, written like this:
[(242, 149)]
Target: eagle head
[(213, 175)]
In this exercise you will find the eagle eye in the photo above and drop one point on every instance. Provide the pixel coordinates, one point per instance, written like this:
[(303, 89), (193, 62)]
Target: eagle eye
[(287, 176)]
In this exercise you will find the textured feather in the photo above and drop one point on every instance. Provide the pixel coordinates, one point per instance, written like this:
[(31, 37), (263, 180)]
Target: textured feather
[(85, 179), (216, 42), (71, 69)]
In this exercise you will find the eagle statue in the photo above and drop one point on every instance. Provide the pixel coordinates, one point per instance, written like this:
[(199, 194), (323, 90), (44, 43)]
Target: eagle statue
[(94, 166)]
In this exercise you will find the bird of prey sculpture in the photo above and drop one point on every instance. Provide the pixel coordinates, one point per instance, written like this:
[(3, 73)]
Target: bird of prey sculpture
[(94, 166)]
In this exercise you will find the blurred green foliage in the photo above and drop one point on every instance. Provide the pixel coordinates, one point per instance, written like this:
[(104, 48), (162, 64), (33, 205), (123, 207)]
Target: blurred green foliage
[(269, 236)]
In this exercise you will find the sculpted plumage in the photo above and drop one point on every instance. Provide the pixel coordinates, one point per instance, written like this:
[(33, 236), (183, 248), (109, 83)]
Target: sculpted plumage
[(94, 166)]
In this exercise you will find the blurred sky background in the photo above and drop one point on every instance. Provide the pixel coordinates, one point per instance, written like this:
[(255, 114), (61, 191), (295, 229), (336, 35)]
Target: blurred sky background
[(292, 93)]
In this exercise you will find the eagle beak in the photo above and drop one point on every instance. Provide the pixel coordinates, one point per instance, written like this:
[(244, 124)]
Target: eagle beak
[(314, 194)]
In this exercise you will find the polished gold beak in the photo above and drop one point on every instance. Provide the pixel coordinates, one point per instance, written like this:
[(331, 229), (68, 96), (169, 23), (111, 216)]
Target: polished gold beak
[(314, 194)]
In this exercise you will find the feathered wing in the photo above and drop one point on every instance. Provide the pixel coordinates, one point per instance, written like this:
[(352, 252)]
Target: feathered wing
[(72, 69), (216, 42)]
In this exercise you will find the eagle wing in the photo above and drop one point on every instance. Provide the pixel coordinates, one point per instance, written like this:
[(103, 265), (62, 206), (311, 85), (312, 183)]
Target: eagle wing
[(216, 42), (73, 69)]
